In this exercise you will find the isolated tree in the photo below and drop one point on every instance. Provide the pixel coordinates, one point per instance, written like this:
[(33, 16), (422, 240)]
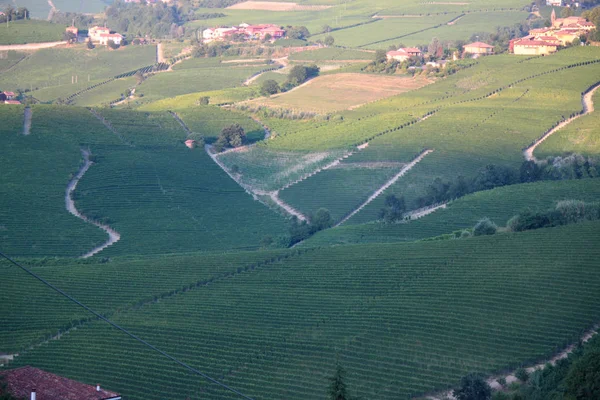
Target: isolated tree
[(69, 37), (326, 28), (204, 100), (485, 227), (329, 40), (139, 77), (231, 136), (393, 210), (321, 220), (435, 48), (337, 387), (583, 380), (297, 75), (473, 387), (269, 87), (112, 44), (297, 32), (380, 56)]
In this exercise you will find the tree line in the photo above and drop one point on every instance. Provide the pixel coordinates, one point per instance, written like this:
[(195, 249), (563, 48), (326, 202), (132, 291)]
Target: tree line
[(14, 14)]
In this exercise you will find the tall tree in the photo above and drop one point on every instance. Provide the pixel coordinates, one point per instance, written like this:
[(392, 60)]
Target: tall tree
[(337, 387), (473, 387)]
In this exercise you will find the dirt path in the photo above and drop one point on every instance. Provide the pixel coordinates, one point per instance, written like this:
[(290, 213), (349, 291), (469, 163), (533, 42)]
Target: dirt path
[(30, 46), (421, 212), (254, 77), (510, 378), (386, 185), (588, 107), (454, 21), (113, 236), (27, 121), (183, 124), (160, 56), (274, 195)]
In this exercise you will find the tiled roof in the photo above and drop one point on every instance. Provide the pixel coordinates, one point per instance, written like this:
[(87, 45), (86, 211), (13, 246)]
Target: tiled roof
[(480, 45), (21, 381)]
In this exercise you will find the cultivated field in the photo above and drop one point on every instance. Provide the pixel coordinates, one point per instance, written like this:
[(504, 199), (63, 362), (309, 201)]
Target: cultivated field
[(32, 31), (348, 90), (411, 317), (275, 6)]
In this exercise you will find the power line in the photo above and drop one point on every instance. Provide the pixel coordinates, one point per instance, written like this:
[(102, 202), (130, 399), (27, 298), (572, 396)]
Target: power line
[(125, 331)]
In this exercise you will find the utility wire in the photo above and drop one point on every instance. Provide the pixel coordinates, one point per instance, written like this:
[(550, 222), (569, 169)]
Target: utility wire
[(125, 331)]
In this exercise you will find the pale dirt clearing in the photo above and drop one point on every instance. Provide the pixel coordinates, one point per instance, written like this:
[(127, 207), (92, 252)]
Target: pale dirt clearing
[(275, 6), (27, 121), (113, 236), (30, 46), (343, 91), (588, 107)]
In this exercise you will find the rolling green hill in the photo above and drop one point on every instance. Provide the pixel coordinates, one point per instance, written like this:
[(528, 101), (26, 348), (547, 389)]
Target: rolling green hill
[(402, 319), (30, 31)]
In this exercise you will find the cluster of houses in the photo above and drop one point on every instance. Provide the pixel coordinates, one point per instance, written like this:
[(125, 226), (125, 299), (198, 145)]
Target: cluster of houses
[(474, 49), (245, 31), (98, 34), (545, 41), (8, 98)]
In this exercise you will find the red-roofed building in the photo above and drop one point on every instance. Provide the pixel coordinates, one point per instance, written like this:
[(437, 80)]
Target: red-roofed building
[(115, 37), (479, 48), (403, 54), (10, 95), (190, 143), (12, 102), (72, 29), (95, 32), (22, 382), (532, 46)]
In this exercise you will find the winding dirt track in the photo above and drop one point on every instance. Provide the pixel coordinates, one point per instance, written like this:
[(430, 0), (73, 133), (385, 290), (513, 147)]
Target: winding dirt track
[(588, 107), (386, 185), (113, 236)]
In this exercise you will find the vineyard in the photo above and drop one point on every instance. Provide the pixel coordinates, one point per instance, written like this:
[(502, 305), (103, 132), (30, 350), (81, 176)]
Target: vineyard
[(581, 137), (498, 204), (402, 319), (21, 32)]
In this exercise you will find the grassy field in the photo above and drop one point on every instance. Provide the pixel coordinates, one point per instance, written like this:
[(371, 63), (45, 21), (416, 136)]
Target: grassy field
[(581, 136), (186, 101), (348, 90), (209, 121), (498, 204), (409, 317), (56, 67), (31, 31)]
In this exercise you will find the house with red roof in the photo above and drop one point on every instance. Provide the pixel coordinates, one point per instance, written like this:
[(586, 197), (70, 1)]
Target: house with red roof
[(190, 143), (10, 95), (403, 54), (95, 32), (33, 383), (479, 49), (14, 102), (115, 37), (533, 46)]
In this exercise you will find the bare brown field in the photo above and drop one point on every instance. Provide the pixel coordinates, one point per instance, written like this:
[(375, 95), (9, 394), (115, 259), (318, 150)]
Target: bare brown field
[(338, 92), (275, 6)]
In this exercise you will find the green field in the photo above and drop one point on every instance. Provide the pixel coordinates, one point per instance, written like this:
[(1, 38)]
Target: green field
[(208, 267), (408, 317), (48, 68), (581, 136), (498, 204), (196, 75), (30, 31), (35, 173)]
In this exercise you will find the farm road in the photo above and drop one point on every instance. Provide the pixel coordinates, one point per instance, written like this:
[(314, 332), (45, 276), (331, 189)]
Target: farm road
[(30, 46), (588, 107), (386, 185), (113, 236), (27, 113), (160, 55)]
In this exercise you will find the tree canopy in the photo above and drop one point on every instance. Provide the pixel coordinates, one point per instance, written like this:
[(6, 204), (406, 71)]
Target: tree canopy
[(473, 387)]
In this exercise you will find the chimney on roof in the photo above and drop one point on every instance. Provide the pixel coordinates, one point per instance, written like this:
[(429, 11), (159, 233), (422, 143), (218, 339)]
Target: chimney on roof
[(32, 394), (97, 387)]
